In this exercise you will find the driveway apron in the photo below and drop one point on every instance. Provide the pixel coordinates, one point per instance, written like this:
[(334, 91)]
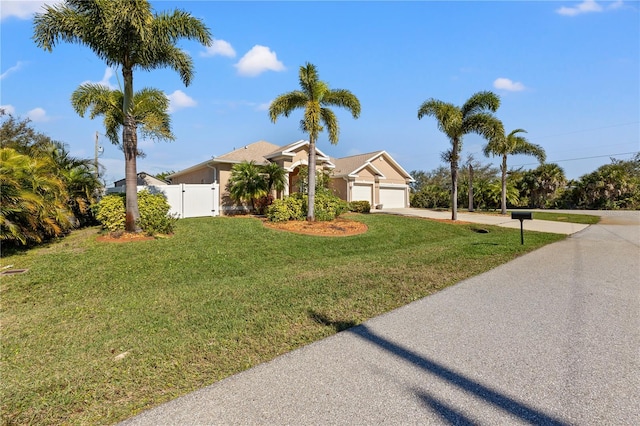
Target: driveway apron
[(552, 337)]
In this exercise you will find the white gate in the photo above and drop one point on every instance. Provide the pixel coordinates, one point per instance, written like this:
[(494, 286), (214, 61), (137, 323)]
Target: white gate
[(186, 200)]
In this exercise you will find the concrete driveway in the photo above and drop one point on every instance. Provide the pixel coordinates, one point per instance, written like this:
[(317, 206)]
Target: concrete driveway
[(550, 338)]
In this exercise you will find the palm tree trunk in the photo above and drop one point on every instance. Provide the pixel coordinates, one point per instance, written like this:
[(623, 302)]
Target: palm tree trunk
[(129, 145), (470, 188), (311, 190), (454, 180), (503, 201)]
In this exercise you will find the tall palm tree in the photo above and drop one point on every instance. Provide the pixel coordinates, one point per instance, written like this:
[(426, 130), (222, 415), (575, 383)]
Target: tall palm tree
[(511, 144), (475, 116), (125, 34), (314, 98)]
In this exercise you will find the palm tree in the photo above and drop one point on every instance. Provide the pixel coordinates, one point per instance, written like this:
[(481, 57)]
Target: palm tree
[(473, 117), (275, 176), (246, 182), (314, 98), (511, 144), (125, 34), (148, 113)]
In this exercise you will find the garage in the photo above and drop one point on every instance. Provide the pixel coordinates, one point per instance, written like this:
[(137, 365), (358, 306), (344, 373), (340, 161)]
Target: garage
[(393, 197), (362, 192)]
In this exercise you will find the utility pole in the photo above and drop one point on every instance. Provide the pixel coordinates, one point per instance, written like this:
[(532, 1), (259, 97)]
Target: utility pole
[(96, 155)]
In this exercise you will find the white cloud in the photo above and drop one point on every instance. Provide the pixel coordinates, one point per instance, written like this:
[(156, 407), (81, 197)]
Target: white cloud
[(263, 107), (179, 100), (219, 47), (8, 109), (616, 5), (11, 70), (23, 9), (258, 60), (38, 115), (106, 79), (506, 84), (585, 7)]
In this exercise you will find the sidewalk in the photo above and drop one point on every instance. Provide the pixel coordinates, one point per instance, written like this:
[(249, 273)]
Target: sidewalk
[(497, 220)]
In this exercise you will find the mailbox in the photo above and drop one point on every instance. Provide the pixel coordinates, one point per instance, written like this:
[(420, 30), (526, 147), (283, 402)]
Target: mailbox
[(521, 216)]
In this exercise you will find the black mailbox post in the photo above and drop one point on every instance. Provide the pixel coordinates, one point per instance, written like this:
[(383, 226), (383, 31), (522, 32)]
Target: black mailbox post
[(521, 216)]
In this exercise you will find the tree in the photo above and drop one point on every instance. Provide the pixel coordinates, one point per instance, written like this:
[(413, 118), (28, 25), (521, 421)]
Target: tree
[(148, 113), (247, 182), (542, 185), (314, 98), (44, 191), (125, 34), (511, 144), (455, 122), (275, 177)]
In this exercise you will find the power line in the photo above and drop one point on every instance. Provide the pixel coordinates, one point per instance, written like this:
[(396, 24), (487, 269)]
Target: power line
[(581, 158), (588, 130)]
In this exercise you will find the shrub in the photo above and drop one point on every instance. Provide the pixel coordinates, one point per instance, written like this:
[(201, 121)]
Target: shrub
[(261, 204), (360, 206), (329, 206), (294, 207), (154, 213), (111, 212), (289, 208)]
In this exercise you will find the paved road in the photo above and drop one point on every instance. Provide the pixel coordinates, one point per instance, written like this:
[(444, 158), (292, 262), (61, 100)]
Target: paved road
[(552, 338)]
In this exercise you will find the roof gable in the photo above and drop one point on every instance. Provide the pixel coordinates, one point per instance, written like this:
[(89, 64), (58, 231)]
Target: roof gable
[(350, 166)]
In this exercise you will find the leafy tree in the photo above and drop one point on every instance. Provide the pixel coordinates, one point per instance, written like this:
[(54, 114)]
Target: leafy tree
[(611, 186), (44, 191), (511, 144), (125, 34), (314, 98), (543, 185), (164, 175), (473, 117)]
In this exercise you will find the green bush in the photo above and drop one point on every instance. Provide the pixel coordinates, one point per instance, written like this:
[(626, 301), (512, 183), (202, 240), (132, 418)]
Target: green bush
[(154, 213), (289, 208), (360, 206), (294, 207), (111, 213), (329, 206)]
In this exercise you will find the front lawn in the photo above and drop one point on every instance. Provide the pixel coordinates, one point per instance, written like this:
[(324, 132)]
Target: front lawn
[(96, 332)]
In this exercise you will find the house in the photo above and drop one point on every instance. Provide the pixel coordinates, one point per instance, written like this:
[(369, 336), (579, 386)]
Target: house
[(375, 177), (144, 179)]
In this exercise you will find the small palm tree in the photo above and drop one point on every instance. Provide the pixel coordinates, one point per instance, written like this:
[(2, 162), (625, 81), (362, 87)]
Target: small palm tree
[(475, 116), (247, 182), (275, 176), (125, 34), (314, 98), (511, 144)]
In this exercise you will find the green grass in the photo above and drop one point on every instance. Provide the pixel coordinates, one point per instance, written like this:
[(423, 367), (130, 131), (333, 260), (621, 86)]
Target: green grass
[(220, 296), (552, 216), (567, 217)]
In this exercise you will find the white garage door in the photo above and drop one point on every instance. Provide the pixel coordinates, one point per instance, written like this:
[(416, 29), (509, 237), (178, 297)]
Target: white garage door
[(362, 193), (393, 198)]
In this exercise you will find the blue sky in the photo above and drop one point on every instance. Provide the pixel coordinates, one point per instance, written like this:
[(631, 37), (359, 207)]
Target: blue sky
[(568, 72)]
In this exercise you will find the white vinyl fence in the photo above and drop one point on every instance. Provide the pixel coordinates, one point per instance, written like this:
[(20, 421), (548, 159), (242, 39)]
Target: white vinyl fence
[(186, 200)]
